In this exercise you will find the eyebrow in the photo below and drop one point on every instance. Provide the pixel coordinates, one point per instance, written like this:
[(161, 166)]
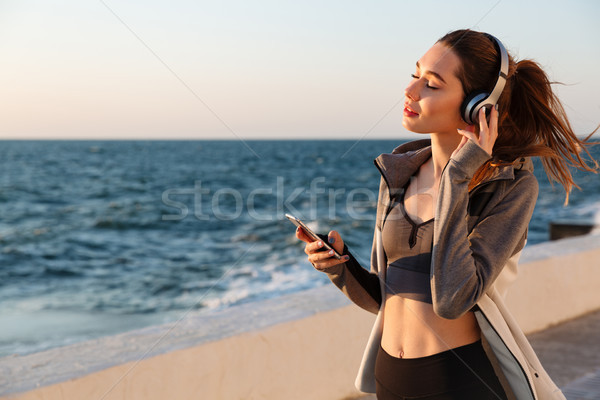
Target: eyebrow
[(432, 73)]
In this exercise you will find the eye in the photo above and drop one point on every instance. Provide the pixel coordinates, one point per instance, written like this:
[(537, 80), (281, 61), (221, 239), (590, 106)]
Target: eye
[(427, 85)]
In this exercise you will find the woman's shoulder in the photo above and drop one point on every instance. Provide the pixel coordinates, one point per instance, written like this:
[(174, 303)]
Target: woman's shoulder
[(523, 176), (526, 182), (517, 173), (518, 191)]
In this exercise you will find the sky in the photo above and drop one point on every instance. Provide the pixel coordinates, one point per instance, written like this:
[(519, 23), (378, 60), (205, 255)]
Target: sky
[(240, 69)]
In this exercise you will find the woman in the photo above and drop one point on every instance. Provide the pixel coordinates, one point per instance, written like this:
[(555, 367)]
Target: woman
[(451, 222)]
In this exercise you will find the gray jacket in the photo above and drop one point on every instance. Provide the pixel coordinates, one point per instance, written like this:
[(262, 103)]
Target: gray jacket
[(478, 238)]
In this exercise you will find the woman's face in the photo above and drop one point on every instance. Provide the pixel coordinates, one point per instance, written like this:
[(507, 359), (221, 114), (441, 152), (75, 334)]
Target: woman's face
[(434, 96)]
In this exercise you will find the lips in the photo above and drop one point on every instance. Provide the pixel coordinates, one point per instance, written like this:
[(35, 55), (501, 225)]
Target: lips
[(409, 112)]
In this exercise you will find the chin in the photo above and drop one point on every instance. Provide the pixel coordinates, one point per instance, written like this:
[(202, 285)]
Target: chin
[(412, 128)]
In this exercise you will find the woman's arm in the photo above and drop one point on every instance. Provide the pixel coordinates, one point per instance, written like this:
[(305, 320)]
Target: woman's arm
[(465, 263), (360, 285)]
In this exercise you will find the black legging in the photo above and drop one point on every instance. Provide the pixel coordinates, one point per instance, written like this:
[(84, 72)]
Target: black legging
[(463, 373)]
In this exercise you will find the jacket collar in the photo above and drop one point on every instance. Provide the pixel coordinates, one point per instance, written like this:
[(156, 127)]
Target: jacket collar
[(397, 168)]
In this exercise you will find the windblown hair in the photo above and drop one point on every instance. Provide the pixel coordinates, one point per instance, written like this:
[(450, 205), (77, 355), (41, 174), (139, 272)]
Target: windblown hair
[(532, 120)]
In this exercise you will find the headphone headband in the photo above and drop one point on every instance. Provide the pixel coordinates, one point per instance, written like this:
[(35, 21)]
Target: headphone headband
[(475, 101)]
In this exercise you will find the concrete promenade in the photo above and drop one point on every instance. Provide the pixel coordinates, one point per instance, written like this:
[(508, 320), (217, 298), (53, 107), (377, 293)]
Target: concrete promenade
[(570, 353)]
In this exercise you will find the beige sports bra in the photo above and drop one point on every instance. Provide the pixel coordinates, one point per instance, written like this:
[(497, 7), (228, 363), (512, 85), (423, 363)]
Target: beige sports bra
[(407, 246)]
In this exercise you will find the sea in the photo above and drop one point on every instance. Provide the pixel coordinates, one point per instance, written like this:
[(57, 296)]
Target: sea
[(102, 237)]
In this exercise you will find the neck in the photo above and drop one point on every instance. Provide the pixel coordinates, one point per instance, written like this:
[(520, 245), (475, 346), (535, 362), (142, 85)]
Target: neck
[(442, 147)]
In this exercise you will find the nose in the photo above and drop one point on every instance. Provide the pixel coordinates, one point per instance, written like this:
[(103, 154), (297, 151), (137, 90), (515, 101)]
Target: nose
[(412, 91)]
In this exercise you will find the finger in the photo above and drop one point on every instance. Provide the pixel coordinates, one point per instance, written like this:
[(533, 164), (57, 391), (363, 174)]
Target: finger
[(300, 234), (483, 124), (487, 136), (494, 123), (314, 247), (321, 256), (335, 241), (466, 136), (463, 141), (325, 263)]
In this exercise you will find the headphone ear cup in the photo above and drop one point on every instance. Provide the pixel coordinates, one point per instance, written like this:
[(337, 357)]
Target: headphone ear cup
[(468, 108)]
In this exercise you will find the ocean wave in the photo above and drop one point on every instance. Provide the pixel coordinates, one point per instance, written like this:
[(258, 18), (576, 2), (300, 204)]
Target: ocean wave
[(61, 272)]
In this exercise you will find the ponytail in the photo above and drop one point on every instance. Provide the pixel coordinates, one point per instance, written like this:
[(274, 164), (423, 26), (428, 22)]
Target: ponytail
[(533, 122)]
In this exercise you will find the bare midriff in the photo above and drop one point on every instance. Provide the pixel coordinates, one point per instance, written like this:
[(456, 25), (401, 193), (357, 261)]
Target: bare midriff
[(411, 329)]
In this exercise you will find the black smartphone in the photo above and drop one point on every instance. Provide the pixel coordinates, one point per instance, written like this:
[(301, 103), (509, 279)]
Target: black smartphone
[(312, 235)]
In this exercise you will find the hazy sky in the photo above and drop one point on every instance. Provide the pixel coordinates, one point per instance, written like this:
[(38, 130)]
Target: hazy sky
[(259, 69)]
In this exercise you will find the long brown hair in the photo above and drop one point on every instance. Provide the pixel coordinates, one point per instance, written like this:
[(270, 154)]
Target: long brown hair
[(532, 120)]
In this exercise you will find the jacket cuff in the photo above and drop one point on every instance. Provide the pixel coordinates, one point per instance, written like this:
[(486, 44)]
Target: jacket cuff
[(337, 269), (470, 157)]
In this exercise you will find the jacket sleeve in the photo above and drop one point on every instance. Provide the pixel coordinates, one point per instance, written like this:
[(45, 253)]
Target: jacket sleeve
[(358, 284), (465, 263)]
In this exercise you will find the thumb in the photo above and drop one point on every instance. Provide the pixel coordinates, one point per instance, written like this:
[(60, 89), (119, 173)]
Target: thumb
[(335, 240)]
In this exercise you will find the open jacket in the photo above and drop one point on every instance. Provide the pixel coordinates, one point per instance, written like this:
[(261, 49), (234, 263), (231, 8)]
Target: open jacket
[(478, 238)]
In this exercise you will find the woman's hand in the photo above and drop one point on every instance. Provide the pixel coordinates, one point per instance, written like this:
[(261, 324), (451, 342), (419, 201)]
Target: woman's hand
[(314, 249), (487, 134)]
